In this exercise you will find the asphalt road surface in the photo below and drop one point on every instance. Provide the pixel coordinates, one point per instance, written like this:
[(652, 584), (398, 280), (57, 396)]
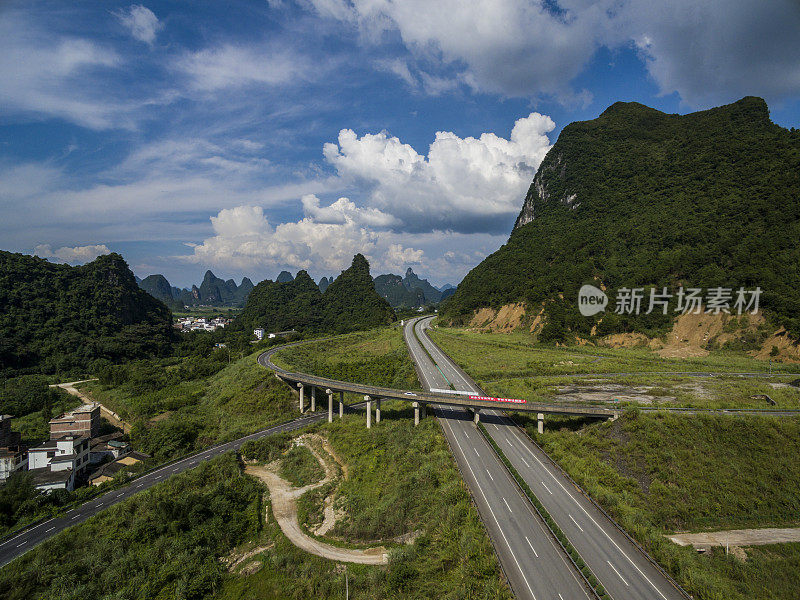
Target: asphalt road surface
[(24, 541), (624, 571), (534, 564)]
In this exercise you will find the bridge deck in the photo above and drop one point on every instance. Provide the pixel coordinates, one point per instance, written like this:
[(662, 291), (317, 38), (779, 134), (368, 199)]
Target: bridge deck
[(376, 392)]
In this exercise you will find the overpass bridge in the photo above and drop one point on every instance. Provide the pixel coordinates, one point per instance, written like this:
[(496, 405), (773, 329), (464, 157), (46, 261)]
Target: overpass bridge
[(305, 382)]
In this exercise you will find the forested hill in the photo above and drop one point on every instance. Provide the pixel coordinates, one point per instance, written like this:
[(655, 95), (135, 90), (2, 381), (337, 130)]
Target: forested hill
[(58, 318), (212, 290), (349, 303), (638, 197)]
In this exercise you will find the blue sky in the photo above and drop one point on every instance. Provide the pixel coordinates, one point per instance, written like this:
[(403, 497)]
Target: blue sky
[(252, 137)]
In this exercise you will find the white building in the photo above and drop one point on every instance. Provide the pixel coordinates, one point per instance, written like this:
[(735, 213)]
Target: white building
[(12, 460), (56, 463), (259, 333), (12, 452)]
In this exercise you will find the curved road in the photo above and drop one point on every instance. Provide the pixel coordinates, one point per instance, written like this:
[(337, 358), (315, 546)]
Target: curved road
[(22, 542), (623, 569)]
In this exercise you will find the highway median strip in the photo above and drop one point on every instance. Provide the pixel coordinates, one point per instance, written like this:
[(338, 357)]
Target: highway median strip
[(565, 544)]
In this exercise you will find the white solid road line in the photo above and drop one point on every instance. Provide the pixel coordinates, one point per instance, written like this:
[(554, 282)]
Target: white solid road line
[(617, 572), (603, 531), (532, 548), (574, 521), (27, 531), (488, 504)]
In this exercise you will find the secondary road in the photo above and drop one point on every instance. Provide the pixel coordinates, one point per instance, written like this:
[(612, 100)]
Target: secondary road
[(623, 569), (24, 541), (536, 567)]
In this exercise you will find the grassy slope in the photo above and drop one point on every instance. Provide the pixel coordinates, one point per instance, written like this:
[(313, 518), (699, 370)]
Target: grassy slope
[(165, 543), (240, 399), (664, 472), (299, 467), (377, 357), (513, 365), (402, 479), (162, 543)]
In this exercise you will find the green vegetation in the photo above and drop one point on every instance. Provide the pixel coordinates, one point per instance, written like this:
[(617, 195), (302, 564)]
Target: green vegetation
[(350, 303), (167, 543), (163, 543), (266, 449), (32, 403), (406, 292), (377, 357), (661, 473), (383, 498), (212, 291), (300, 468), (398, 295), (180, 405), (514, 365), (62, 319), (639, 198), (280, 306)]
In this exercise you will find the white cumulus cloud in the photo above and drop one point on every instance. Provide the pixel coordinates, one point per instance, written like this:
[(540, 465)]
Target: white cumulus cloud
[(463, 184), (71, 254), (141, 22), (244, 239)]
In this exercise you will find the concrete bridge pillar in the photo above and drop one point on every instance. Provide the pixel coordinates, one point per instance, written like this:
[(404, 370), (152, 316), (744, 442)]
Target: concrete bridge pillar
[(540, 422), (477, 415), (341, 404), (369, 411), (302, 389), (377, 410), (330, 405), (313, 398), (416, 413)]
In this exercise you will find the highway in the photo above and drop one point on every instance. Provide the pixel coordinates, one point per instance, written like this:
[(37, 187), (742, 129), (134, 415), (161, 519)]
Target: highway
[(533, 562), (623, 569), (29, 538)]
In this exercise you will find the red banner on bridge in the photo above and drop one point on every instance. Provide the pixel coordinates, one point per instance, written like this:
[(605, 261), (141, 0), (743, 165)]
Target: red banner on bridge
[(490, 399)]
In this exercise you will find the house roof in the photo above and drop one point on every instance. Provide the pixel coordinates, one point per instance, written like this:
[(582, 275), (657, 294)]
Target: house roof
[(44, 476), (110, 469), (64, 457)]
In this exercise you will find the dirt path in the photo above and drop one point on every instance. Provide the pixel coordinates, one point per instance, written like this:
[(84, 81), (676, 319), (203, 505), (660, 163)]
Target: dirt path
[(737, 537), (110, 415), (284, 507)]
